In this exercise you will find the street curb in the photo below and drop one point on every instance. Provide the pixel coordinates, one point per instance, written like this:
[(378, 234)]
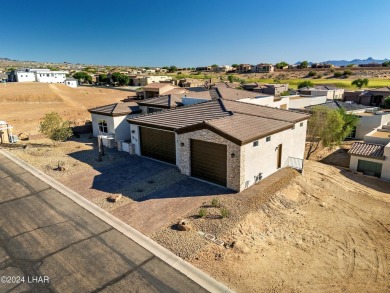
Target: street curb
[(164, 254)]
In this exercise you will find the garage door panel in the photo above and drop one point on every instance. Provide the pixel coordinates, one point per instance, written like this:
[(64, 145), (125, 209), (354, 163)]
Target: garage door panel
[(208, 161), (158, 144), (370, 168)]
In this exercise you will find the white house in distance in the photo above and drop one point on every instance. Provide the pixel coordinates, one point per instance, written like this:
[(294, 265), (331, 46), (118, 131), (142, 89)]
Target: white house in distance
[(38, 75), (372, 157), (225, 142), (71, 82), (110, 121)]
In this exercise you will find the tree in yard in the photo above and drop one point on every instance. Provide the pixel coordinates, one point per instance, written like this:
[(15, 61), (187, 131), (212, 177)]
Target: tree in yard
[(281, 65), (214, 65), (306, 83), (386, 63), (387, 102), (120, 78), (55, 128), (102, 77), (304, 64), (234, 65), (172, 68), (82, 77), (329, 127), (360, 82)]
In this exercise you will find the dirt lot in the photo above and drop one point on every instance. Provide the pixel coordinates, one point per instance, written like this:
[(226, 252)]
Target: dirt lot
[(24, 104), (327, 231)]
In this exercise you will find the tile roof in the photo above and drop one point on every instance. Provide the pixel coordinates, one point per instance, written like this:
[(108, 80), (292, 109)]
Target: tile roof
[(237, 121), (245, 128), (181, 117), (168, 101), (117, 109), (265, 112), (364, 149), (339, 104)]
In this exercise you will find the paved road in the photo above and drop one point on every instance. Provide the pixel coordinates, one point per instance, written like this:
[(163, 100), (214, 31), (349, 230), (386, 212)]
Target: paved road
[(45, 234)]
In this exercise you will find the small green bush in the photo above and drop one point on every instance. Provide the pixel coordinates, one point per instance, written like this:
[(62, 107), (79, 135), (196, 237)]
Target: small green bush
[(338, 74), (311, 73), (225, 213), (202, 213), (215, 202), (347, 72), (387, 102)]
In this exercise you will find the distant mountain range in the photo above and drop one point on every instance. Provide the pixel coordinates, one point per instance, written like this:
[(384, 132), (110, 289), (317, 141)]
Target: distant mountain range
[(354, 61)]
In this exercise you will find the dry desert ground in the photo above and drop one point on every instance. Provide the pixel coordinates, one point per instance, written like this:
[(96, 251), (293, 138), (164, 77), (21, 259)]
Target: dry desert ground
[(23, 104)]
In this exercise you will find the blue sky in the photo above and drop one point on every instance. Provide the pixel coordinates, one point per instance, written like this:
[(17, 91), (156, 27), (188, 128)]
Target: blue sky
[(193, 33)]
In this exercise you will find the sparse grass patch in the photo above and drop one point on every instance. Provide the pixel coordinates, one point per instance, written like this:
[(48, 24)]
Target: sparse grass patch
[(202, 213)]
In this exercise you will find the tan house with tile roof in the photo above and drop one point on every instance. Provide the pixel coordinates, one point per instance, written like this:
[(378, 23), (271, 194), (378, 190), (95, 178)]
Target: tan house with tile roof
[(224, 142)]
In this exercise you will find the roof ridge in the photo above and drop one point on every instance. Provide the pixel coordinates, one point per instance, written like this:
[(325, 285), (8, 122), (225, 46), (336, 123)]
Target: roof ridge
[(102, 106)]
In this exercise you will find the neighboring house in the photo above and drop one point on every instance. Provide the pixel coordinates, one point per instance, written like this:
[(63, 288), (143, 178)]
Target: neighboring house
[(223, 68), (369, 117), (330, 92), (263, 68), (110, 121), (145, 80), (372, 157), (154, 90), (38, 75), (71, 82), (374, 97), (322, 65), (269, 89), (224, 142), (244, 68), (203, 68)]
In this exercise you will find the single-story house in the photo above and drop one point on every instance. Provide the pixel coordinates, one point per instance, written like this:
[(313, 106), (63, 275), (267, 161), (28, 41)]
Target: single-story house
[(225, 142), (110, 121), (372, 157)]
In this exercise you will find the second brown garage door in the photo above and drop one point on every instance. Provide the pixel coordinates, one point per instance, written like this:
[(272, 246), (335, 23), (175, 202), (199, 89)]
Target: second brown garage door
[(158, 144), (208, 161)]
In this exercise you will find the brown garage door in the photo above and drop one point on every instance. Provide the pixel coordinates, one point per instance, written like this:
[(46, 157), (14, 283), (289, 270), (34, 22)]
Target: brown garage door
[(158, 144), (208, 161)]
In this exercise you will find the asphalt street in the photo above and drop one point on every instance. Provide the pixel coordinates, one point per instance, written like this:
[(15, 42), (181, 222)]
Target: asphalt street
[(48, 243)]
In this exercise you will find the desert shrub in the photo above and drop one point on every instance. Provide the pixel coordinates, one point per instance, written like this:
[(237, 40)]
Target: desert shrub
[(347, 72), (311, 73), (338, 74), (319, 75), (55, 128), (225, 213), (215, 202), (202, 213)]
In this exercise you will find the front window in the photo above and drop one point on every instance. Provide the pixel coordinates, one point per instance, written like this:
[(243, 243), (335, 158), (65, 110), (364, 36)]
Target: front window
[(103, 126)]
